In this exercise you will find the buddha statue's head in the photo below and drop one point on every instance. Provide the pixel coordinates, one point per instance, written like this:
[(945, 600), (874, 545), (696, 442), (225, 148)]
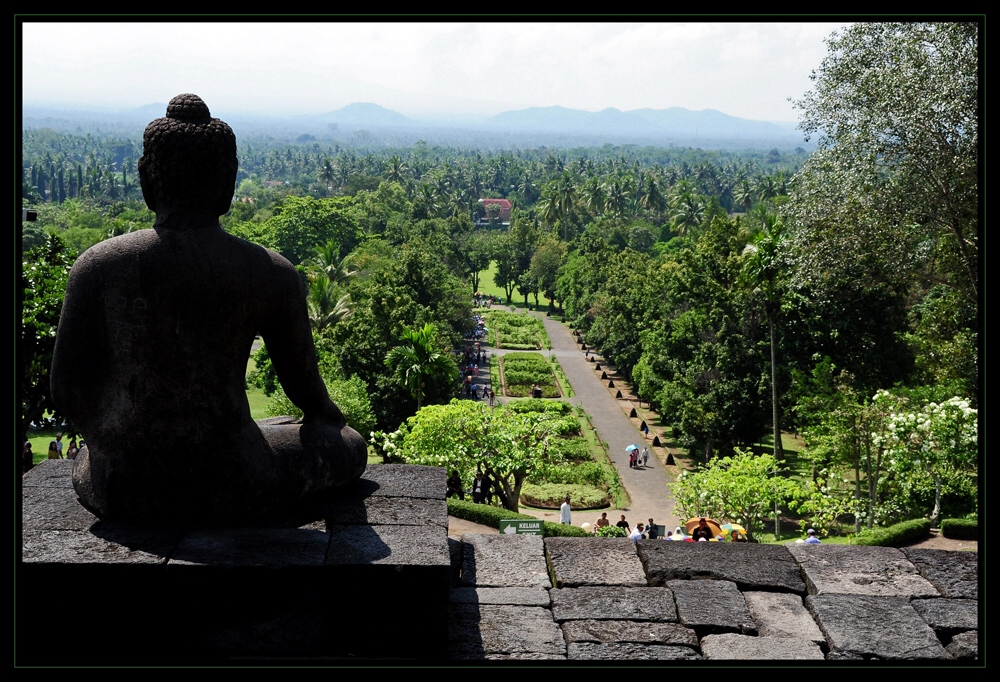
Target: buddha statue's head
[(188, 162)]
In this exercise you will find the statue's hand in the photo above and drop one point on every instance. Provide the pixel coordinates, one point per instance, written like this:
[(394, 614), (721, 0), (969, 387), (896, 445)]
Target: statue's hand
[(328, 414)]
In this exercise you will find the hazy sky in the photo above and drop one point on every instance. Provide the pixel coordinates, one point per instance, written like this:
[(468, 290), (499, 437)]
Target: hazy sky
[(469, 68)]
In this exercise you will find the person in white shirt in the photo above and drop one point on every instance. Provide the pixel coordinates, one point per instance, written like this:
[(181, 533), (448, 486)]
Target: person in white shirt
[(564, 512)]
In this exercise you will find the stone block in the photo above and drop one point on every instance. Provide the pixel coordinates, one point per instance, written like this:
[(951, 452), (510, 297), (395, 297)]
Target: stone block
[(478, 631), (849, 569), (964, 646), (504, 561), (782, 615), (511, 596), (405, 480), (249, 593), (748, 565), (712, 607), (948, 617), (733, 647), (954, 574), (614, 603), (590, 561), (874, 627), (628, 632), (628, 651)]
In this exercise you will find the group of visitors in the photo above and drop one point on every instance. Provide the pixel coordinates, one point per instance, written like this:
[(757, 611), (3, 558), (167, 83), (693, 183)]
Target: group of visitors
[(642, 531), (478, 332), (481, 488), (55, 451), (638, 459), (481, 300)]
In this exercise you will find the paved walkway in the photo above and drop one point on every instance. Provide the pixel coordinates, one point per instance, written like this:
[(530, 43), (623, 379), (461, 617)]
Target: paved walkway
[(647, 487)]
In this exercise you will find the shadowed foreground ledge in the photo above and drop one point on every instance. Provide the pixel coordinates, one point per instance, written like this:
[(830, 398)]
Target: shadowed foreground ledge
[(374, 578)]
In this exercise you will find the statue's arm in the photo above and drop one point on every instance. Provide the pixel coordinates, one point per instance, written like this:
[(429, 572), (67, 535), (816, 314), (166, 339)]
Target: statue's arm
[(79, 360), (288, 336)]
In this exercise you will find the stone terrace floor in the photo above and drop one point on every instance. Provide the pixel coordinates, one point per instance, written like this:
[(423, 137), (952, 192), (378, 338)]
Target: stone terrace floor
[(525, 598)]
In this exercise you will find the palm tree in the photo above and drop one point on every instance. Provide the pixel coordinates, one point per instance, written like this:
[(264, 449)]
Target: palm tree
[(688, 213), (326, 263), (762, 269), (420, 362), (397, 167), (324, 311)]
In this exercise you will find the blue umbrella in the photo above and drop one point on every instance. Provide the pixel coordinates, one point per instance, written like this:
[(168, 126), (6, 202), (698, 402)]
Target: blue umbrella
[(632, 447)]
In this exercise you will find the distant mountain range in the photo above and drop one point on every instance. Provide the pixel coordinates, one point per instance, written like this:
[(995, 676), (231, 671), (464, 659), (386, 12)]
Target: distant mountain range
[(554, 126)]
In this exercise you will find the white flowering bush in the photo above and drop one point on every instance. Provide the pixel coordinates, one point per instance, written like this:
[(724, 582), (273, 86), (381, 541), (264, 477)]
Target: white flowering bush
[(934, 451)]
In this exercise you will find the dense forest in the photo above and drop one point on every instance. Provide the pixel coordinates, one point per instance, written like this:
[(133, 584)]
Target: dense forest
[(832, 294)]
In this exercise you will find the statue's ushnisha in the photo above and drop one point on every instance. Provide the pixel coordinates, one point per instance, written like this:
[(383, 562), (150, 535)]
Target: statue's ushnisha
[(152, 347)]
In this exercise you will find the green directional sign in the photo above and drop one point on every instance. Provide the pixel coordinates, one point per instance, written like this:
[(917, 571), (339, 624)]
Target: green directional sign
[(520, 527)]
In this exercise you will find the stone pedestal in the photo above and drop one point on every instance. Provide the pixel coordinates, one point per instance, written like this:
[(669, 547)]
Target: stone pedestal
[(360, 579)]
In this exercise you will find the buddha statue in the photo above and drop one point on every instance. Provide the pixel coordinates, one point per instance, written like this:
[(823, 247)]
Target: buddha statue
[(152, 347)]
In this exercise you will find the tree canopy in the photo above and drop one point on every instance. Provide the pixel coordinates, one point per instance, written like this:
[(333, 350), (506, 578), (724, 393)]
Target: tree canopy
[(894, 184), (468, 436)]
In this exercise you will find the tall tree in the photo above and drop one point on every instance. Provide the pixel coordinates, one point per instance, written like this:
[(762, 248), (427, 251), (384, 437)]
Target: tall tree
[(763, 269), (895, 108)]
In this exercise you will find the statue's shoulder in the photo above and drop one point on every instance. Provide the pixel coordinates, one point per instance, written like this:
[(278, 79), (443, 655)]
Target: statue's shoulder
[(262, 254), (111, 253)]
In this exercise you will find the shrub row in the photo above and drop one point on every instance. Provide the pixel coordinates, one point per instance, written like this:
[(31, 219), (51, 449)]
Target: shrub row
[(551, 495), (960, 529), (523, 406), (897, 535), (491, 516)]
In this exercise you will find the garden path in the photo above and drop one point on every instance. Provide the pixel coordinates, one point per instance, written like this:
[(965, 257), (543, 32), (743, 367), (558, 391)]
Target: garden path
[(646, 486)]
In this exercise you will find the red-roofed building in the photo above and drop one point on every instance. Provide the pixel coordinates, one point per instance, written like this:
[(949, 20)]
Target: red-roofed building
[(504, 205)]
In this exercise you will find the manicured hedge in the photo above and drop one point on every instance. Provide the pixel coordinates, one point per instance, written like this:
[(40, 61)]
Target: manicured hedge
[(488, 515), (960, 529), (551, 495), (897, 535)]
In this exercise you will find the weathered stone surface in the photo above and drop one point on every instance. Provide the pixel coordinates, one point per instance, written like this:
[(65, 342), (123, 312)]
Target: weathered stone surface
[(504, 561), (712, 606), (49, 473), (782, 615), (589, 561), (513, 596), (531, 656), (948, 616), (629, 651), (407, 480), (487, 630), (627, 631), (394, 545), (874, 627), (47, 508), (455, 557), (378, 510), (750, 566), (850, 569), (954, 574), (964, 646), (614, 603), (76, 547), (733, 647), (245, 547)]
